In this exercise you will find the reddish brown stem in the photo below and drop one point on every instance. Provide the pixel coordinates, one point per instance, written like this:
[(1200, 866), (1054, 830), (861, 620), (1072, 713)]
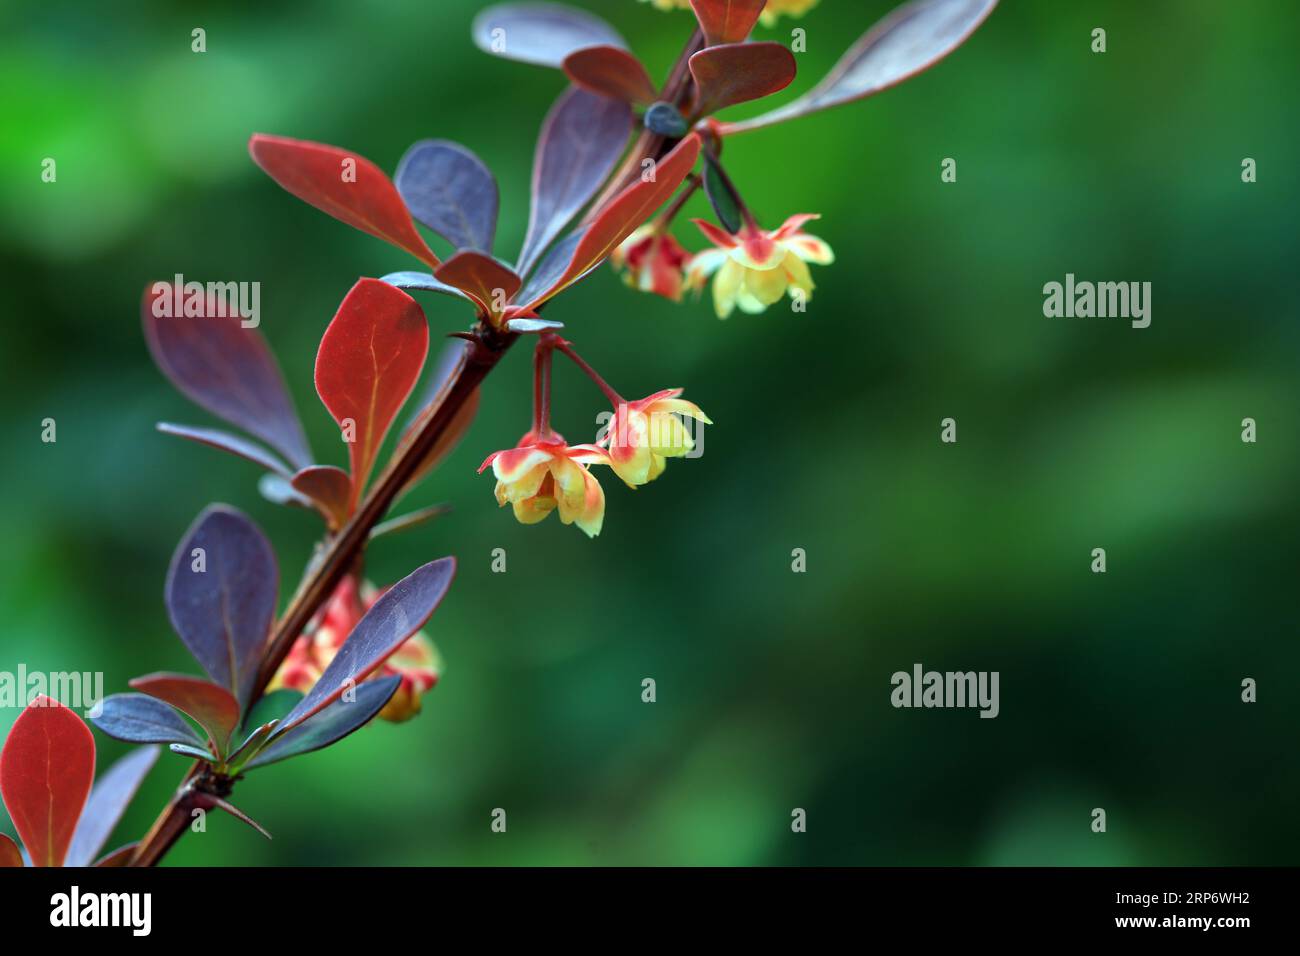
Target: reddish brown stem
[(542, 386)]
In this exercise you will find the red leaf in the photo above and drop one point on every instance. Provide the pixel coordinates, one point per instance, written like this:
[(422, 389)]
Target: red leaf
[(739, 72), (623, 214), (349, 187), (330, 488), (214, 707), (46, 770), (912, 38), (490, 284), (727, 21), (369, 360), (611, 71), (10, 855)]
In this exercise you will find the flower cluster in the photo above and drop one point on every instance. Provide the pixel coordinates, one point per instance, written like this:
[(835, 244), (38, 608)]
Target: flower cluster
[(751, 268), (544, 473)]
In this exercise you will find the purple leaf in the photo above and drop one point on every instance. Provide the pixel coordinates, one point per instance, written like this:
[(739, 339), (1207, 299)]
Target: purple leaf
[(225, 441), (581, 139), (540, 33), (423, 281), (399, 613), (221, 594), (448, 188), (213, 708), (524, 326), (222, 367), (109, 798), (198, 753), (140, 719), (552, 266), (910, 39), (331, 724)]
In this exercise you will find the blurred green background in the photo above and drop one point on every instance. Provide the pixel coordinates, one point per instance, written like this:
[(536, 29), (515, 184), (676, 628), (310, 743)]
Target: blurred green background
[(1118, 690)]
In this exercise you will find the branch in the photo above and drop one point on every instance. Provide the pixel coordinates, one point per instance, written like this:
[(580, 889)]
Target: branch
[(342, 550)]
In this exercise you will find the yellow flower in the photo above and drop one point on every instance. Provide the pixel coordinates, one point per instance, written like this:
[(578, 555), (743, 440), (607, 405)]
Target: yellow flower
[(789, 8), (755, 267), (542, 473), (643, 434)]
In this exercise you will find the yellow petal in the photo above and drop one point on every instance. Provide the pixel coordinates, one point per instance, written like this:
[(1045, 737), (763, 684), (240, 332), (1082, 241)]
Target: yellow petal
[(533, 510), (766, 286), (797, 272), (811, 249), (514, 463), (587, 508), (681, 407), (525, 486), (726, 284), (668, 437)]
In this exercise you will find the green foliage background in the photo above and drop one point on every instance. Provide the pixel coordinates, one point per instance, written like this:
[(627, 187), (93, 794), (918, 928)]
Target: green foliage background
[(1118, 690)]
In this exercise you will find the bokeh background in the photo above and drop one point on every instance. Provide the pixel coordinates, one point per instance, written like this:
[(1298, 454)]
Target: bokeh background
[(1119, 690)]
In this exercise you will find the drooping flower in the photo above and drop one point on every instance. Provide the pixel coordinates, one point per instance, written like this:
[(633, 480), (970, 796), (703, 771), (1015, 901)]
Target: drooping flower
[(779, 8), (652, 261), (755, 267), (416, 661), (542, 473), (643, 434)]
